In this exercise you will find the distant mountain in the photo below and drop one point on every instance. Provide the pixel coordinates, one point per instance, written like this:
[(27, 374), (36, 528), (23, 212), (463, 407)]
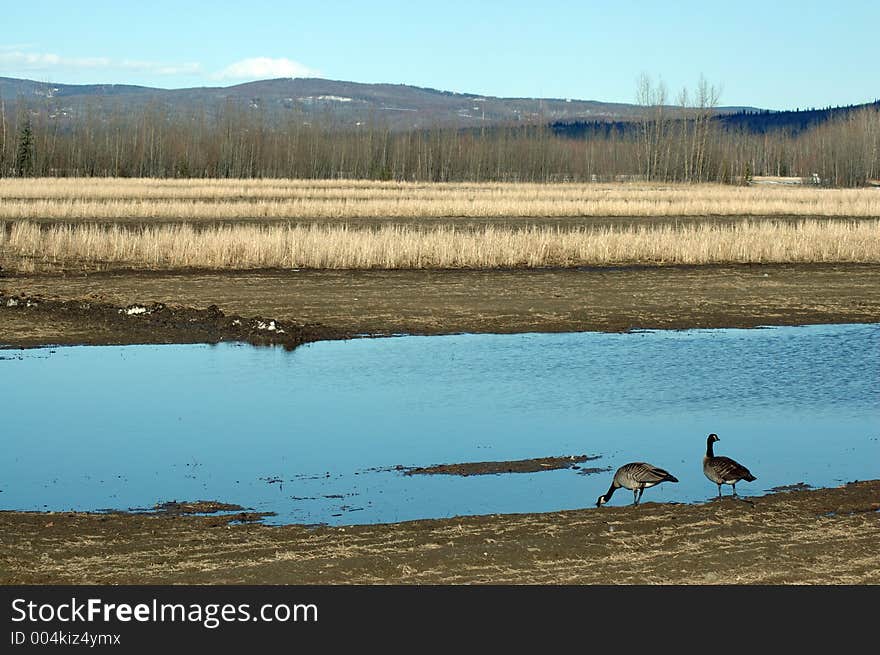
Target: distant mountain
[(345, 103), (12, 88), (398, 106)]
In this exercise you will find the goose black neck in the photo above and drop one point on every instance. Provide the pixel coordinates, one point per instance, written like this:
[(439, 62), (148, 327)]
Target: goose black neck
[(710, 452), (610, 492)]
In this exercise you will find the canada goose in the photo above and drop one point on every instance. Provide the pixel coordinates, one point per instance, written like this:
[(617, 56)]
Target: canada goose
[(637, 476), (723, 470)]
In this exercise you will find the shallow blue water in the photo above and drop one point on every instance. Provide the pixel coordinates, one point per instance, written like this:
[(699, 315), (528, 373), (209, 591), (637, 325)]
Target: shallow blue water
[(298, 432)]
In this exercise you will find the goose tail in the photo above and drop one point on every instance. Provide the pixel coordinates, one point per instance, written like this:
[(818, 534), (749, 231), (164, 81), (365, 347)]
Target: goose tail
[(662, 475)]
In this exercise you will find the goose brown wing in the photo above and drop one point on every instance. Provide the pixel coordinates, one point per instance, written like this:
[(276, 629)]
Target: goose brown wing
[(644, 472), (729, 469)]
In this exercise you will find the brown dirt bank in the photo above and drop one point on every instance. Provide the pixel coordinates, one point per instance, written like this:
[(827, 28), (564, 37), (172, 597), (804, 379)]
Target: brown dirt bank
[(826, 536), (27, 321), (443, 302)]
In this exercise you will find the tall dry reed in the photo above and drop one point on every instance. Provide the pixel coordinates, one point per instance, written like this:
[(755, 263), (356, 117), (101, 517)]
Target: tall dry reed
[(122, 199), (402, 247)]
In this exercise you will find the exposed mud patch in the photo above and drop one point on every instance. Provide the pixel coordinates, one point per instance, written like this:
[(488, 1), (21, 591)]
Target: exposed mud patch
[(379, 469), (798, 486), (592, 470), (195, 507), (218, 513), (225, 513), (100, 322), (511, 466)]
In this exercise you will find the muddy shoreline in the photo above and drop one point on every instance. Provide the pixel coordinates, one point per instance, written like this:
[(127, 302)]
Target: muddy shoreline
[(94, 322), (317, 305), (822, 536)]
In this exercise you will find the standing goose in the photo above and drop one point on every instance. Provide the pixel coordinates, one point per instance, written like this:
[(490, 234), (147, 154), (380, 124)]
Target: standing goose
[(637, 476), (723, 470)]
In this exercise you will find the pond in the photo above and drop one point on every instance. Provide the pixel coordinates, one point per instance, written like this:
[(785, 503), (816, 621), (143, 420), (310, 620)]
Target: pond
[(314, 435)]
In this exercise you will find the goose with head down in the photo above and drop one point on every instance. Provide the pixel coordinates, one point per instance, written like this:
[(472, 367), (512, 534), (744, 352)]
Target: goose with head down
[(636, 476)]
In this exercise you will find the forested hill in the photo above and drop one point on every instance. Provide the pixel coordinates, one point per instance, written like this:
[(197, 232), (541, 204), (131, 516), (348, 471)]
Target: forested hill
[(752, 121), (305, 100), (345, 104), (761, 121)]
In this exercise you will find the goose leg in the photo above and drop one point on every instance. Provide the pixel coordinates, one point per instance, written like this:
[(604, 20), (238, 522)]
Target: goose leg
[(719, 490), (640, 495), (734, 488), (635, 497)]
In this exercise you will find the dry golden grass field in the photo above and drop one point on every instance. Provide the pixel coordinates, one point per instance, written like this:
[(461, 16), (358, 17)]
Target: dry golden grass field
[(28, 246), (121, 199), (89, 224)]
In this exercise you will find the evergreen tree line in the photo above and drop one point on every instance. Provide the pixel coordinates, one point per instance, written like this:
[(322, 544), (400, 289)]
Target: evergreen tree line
[(684, 144)]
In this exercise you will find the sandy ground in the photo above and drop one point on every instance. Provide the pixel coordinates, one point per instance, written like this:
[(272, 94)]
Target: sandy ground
[(827, 536), (821, 536)]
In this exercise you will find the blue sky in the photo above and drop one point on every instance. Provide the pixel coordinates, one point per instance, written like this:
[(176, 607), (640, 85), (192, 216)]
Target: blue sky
[(769, 54)]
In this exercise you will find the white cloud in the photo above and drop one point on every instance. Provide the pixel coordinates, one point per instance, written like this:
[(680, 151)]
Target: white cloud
[(259, 68), (22, 61)]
